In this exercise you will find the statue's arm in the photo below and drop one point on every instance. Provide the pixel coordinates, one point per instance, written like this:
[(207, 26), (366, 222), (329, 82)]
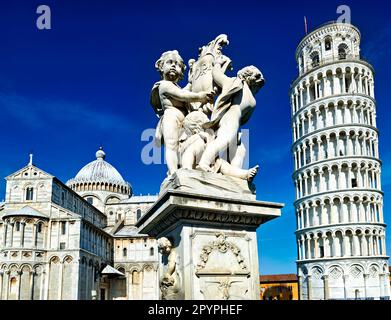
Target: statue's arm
[(171, 90), (218, 76), (171, 264)]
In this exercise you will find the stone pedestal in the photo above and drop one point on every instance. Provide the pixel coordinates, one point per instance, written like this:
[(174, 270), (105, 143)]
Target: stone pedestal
[(214, 246)]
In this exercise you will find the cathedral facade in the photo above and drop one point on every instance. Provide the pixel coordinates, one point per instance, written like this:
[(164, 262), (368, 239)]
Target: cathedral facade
[(75, 241)]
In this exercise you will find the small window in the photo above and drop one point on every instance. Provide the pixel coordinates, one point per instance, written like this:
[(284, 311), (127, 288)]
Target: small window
[(119, 217), (343, 51), (124, 252), (63, 227), (17, 226), (315, 59), (327, 44), (138, 214), (29, 194), (151, 251), (39, 227), (90, 200), (62, 245), (354, 183)]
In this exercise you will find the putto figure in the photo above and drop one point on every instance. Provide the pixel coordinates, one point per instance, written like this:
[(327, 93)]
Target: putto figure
[(170, 282), (172, 103), (195, 129), (233, 108)]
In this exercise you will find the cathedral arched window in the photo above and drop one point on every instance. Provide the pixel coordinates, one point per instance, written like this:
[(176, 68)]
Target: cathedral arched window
[(124, 252), (138, 214), (17, 226), (315, 59), (327, 44), (39, 227), (151, 251), (29, 193), (135, 277), (343, 51)]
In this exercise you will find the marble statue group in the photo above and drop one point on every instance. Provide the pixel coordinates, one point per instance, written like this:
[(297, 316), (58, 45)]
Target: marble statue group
[(199, 124)]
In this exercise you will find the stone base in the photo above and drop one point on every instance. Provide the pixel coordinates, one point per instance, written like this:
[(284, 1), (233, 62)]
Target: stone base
[(209, 183), (214, 244)]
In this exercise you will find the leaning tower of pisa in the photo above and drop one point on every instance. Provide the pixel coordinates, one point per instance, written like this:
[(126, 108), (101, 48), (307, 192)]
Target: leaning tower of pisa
[(339, 202)]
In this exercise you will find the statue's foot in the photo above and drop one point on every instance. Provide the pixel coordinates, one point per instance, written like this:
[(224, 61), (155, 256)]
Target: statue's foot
[(252, 173), (204, 168)]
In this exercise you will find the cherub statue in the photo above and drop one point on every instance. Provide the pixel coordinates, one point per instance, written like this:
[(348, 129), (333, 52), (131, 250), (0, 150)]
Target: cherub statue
[(171, 104), (169, 283), (232, 109), (194, 142)]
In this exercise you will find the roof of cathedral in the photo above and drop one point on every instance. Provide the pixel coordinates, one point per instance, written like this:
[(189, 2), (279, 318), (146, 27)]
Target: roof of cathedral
[(100, 171), (26, 211), (127, 231), (140, 199)]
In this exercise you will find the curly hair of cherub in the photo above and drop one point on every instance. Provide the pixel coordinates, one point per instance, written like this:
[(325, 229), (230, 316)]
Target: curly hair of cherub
[(159, 63), (251, 74)]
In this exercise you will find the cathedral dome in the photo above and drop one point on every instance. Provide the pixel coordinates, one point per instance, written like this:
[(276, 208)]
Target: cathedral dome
[(100, 175)]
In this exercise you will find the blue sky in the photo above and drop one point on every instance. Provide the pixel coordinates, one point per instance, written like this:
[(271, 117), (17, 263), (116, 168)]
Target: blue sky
[(87, 81)]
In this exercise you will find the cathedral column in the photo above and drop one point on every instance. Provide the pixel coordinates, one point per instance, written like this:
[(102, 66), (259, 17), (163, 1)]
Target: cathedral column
[(317, 121), (309, 288), (320, 153), (311, 152), (360, 88), (345, 245), (302, 218), (299, 157), (356, 246), (301, 96), (300, 278), (308, 93), (326, 247), (12, 234), (323, 213), (343, 82), (316, 82), (326, 287), (383, 245), (313, 182), (22, 229), (299, 249), (32, 275), (1, 284), (34, 239), (6, 280), (329, 151), (346, 286), (5, 227), (307, 216), (308, 248), (366, 276), (310, 126), (326, 110), (316, 249), (19, 279)]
